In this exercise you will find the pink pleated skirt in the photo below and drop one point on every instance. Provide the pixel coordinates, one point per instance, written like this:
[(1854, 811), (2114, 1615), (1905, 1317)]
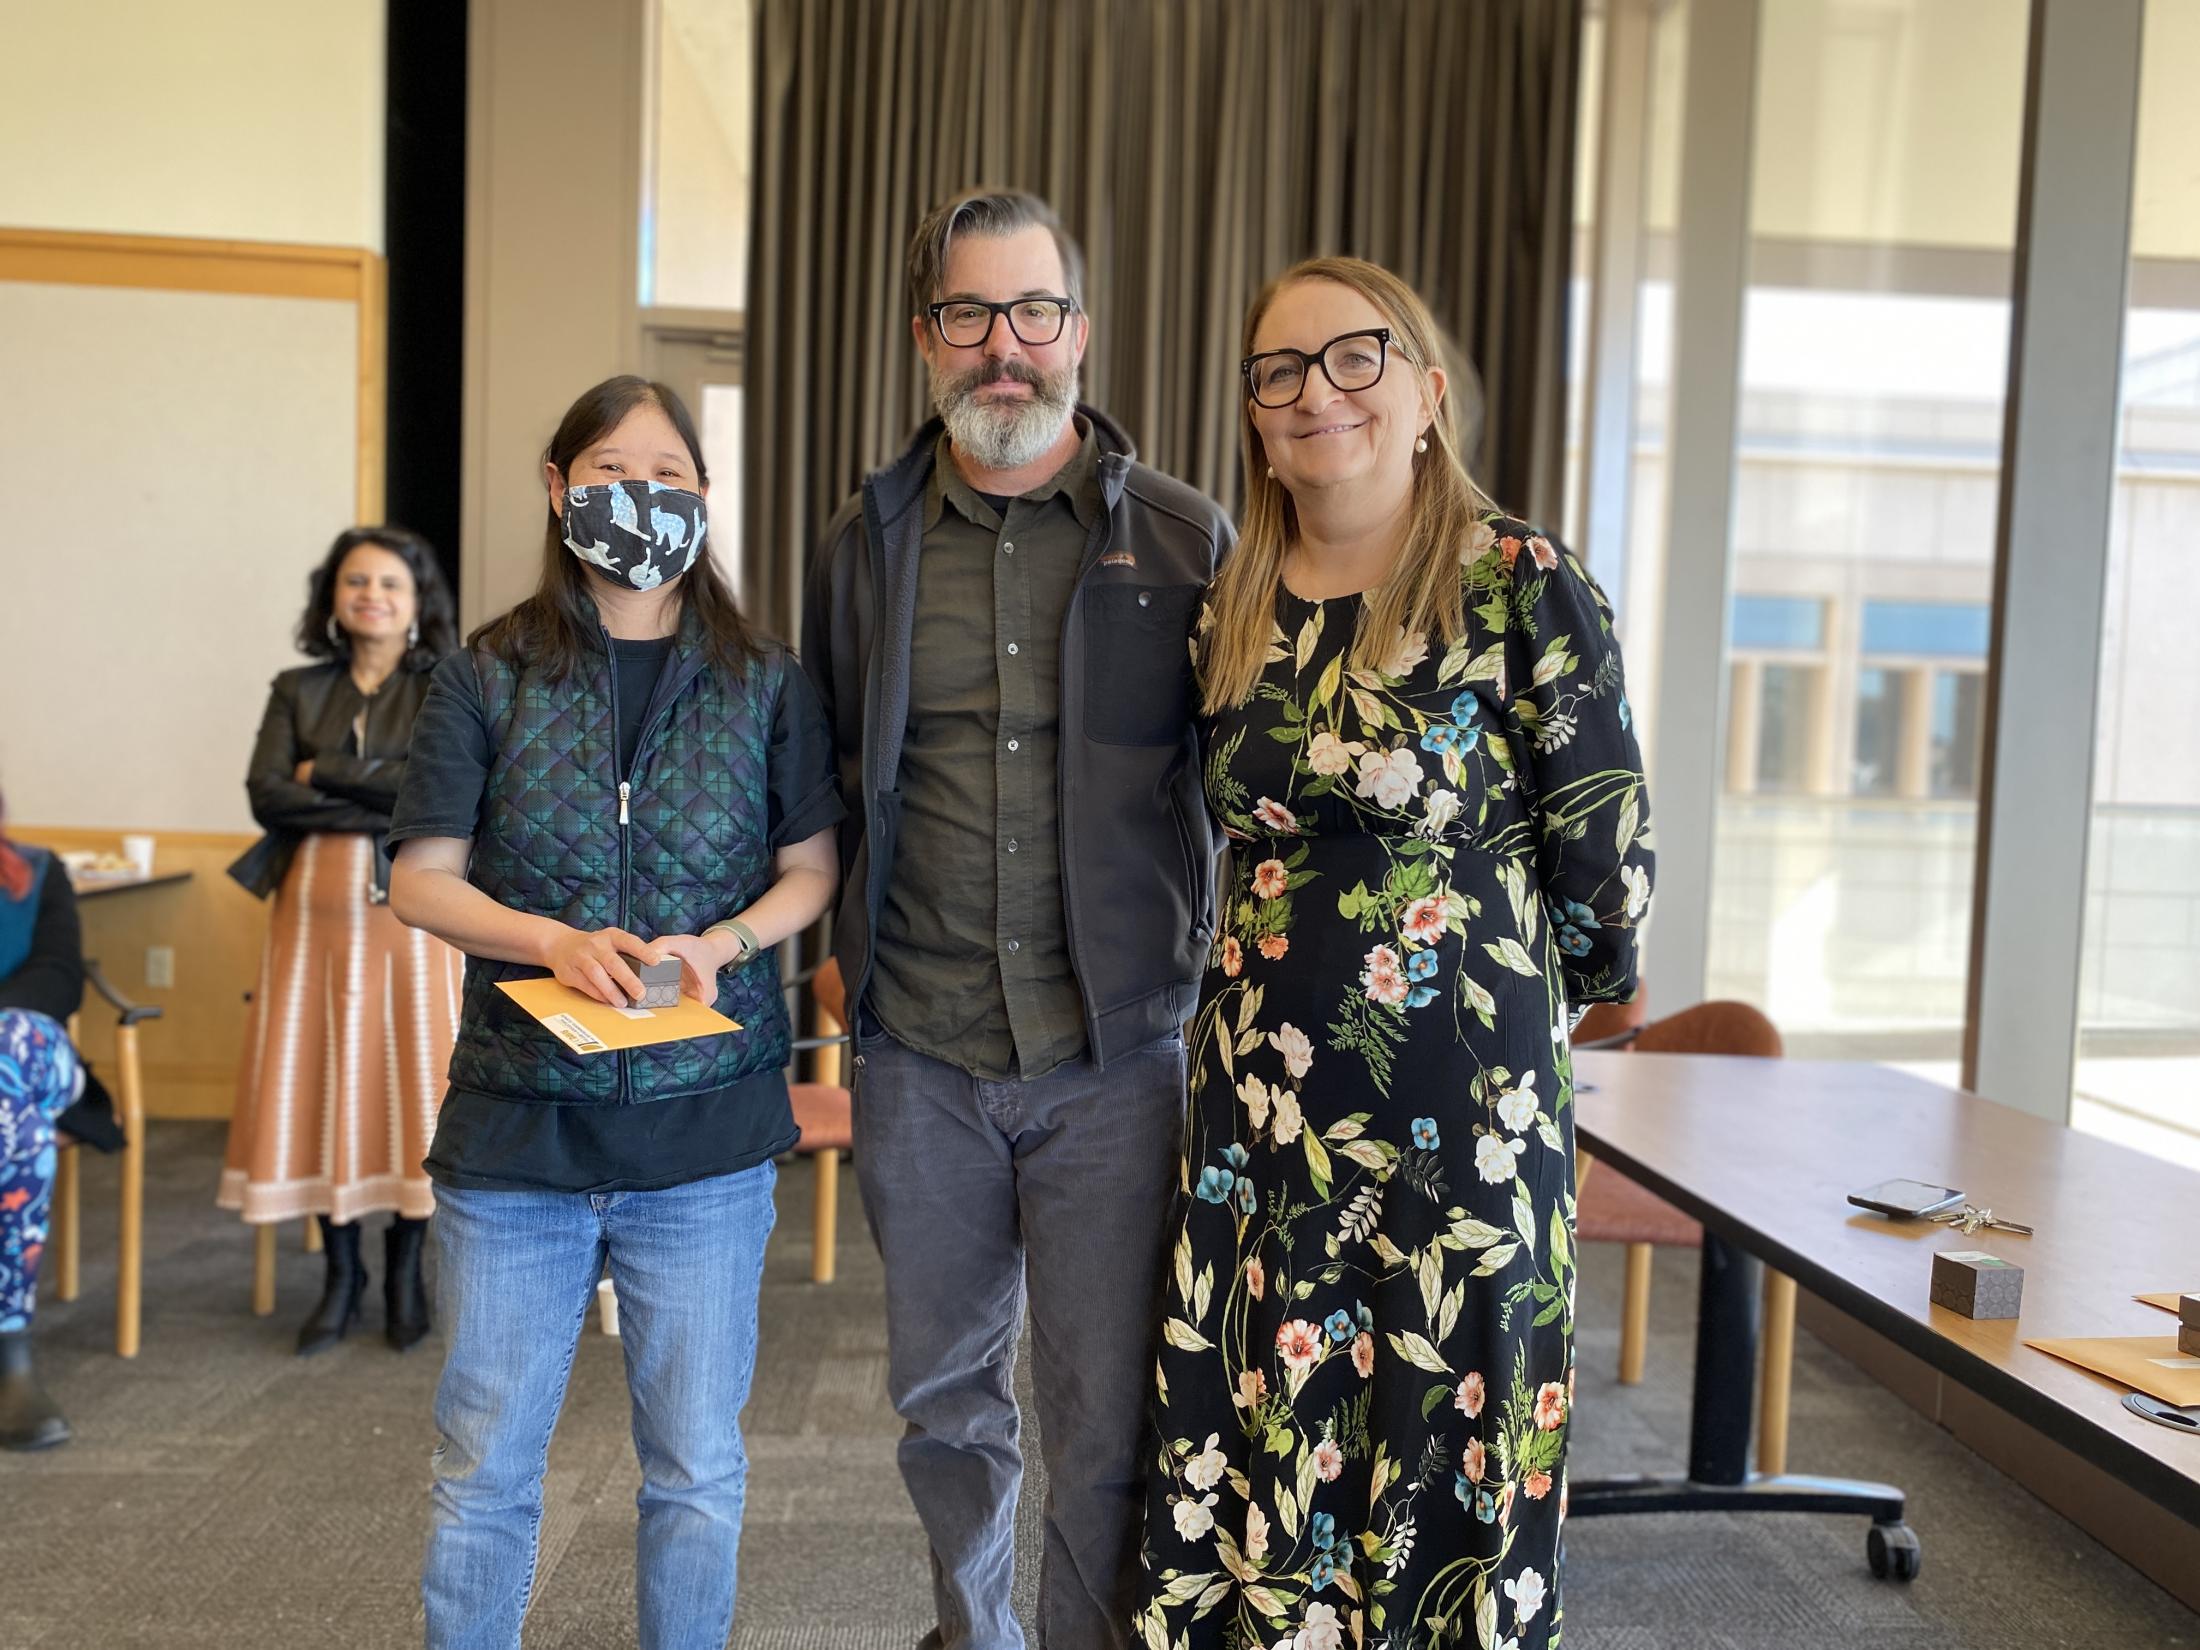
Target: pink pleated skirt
[(346, 1050)]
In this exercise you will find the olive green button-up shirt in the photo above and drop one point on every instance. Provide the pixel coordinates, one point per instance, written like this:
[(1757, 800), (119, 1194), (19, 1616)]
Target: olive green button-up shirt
[(972, 959)]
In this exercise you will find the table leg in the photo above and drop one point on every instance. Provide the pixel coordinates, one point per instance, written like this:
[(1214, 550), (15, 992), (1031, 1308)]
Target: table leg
[(1719, 1479), (1726, 1365)]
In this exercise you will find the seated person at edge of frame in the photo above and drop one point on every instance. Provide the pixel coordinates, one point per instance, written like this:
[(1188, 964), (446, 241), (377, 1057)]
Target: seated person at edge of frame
[(48, 1098)]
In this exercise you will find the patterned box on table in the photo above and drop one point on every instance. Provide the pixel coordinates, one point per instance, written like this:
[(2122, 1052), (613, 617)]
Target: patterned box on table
[(1977, 1284)]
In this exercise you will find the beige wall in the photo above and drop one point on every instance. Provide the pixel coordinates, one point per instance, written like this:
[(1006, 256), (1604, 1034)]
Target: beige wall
[(203, 445), (2165, 206), (553, 197), (155, 572), (251, 120), (1899, 121), (700, 155)]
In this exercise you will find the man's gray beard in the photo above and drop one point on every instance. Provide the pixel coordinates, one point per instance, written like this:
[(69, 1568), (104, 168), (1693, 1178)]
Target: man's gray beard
[(1007, 435)]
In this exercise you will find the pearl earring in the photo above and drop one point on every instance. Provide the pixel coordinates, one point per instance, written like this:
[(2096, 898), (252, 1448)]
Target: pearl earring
[(1271, 472), (1421, 446)]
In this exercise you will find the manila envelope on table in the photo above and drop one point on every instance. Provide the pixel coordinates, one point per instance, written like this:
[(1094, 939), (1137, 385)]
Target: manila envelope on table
[(2151, 1363), (586, 1026)]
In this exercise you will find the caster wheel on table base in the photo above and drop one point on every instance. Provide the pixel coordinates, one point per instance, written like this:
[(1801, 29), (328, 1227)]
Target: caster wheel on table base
[(1893, 1552)]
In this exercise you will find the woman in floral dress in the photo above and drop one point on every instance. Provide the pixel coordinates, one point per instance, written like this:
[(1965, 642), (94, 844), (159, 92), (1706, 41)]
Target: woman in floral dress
[(1419, 742)]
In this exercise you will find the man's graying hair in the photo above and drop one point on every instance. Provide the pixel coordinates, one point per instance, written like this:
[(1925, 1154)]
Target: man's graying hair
[(986, 212)]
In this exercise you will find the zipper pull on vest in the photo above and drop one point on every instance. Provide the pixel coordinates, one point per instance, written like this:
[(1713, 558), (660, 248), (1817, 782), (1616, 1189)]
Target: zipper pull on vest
[(624, 790)]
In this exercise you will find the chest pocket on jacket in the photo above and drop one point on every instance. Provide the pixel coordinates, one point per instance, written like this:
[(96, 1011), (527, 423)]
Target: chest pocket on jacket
[(1138, 662)]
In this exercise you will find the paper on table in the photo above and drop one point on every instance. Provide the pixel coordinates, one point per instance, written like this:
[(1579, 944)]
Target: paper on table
[(586, 1026), (2167, 1301), (2150, 1363)]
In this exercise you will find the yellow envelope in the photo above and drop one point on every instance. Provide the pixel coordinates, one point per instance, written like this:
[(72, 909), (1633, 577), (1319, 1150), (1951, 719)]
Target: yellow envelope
[(586, 1026), (2150, 1363)]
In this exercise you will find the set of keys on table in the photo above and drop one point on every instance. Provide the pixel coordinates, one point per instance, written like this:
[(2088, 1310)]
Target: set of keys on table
[(1971, 1218)]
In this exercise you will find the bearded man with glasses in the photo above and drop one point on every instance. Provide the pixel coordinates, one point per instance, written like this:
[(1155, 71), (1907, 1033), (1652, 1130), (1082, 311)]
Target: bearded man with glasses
[(999, 624)]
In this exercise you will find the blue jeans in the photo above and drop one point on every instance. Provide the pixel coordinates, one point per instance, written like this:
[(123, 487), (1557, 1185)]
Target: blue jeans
[(517, 1277)]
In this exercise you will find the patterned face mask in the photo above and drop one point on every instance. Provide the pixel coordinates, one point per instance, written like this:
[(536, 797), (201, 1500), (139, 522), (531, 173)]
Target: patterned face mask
[(638, 533)]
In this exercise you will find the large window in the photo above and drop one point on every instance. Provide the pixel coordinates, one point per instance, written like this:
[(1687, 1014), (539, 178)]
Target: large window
[(2138, 1067), (1863, 502), (1875, 354)]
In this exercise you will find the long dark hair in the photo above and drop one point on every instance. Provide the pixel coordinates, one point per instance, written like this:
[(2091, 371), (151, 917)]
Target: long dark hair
[(438, 617), (551, 628)]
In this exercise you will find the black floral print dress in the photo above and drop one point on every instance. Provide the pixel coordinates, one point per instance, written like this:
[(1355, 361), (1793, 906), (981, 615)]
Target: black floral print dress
[(1367, 1359)]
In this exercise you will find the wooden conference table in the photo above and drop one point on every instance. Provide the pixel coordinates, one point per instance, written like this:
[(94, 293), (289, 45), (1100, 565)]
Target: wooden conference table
[(1765, 1152)]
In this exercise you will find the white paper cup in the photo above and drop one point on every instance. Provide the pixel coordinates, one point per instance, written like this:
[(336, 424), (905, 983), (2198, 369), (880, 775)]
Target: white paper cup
[(138, 850)]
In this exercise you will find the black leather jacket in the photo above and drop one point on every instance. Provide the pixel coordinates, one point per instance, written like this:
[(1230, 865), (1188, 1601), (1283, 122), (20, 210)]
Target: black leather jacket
[(312, 712)]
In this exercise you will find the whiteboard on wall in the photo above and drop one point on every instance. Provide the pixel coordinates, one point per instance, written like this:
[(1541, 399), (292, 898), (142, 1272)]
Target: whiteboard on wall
[(180, 463)]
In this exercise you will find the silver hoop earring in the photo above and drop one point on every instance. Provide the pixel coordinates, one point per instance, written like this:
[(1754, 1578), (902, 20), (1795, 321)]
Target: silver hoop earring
[(335, 633), (1421, 446), (412, 636)]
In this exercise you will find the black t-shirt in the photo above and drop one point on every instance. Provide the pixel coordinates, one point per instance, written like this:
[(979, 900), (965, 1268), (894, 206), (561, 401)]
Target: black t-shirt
[(485, 1143), (638, 664)]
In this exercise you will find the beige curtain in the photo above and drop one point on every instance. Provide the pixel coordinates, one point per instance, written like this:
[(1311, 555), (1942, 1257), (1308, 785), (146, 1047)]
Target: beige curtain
[(1195, 148)]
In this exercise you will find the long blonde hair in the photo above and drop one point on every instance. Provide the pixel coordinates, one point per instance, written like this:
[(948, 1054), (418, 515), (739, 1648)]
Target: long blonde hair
[(1422, 591)]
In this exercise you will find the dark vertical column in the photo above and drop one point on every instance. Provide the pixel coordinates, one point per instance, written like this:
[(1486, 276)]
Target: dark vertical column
[(424, 234), (1726, 1364)]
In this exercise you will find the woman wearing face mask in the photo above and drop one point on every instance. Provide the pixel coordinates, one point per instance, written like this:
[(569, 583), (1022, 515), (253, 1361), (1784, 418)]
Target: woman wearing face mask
[(616, 770), (1418, 738), (353, 1015)]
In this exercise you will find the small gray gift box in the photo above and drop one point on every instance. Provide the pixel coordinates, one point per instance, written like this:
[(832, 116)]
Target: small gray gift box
[(1977, 1284), (660, 983)]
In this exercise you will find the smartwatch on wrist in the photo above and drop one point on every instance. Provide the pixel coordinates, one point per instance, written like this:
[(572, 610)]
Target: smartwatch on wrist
[(743, 936)]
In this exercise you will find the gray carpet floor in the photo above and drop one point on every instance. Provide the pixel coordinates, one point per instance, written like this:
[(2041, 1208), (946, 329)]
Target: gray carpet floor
[(221, 1492)]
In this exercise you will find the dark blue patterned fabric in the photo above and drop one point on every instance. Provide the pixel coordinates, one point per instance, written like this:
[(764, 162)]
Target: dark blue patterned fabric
[(39, 1076), (694, 847)]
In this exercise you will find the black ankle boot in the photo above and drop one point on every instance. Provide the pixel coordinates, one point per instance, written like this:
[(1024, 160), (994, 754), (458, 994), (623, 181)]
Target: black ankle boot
[(28, 1418), (338, 1310), (404, 1296)]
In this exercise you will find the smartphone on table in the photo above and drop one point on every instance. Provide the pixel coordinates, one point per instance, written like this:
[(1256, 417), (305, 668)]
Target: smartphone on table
[(1907, 1199)]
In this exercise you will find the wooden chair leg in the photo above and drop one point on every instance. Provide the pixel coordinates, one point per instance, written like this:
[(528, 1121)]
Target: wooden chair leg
[(1634, 1314), (313, 1235), (825, 1229), (130, 1267), (1776, 1383), (263, 1271), (826, 1066), (64, 1241)]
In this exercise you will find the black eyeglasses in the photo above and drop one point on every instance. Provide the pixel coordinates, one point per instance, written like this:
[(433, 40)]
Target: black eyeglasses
[(966, 323), (1351, 361)]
